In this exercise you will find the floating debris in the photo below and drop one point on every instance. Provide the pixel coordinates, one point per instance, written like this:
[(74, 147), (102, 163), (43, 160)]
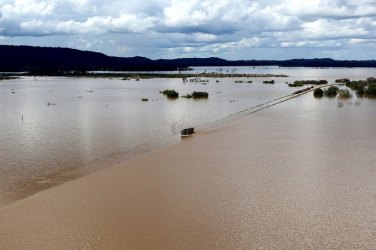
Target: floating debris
[(144, 99), (51, 104), (89, 91)]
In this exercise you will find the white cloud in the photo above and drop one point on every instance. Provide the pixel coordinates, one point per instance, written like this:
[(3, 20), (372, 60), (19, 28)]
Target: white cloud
[(195, 27), (26, 8), (362, 41), (327, 29), (317, 44), (202, 37), (98, 24), (224, 16)]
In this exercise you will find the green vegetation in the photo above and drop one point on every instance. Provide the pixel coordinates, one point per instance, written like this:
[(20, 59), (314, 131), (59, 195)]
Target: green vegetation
[(196, 95), (300, 83), (296, 84), (170, 93), (356, 85), (318, 93), (367, 87), (269, 82), (371, 80), (370, 91), (344, 93), (361, 87), (360, 92), (343, 80), (200, 94), (331, 91)]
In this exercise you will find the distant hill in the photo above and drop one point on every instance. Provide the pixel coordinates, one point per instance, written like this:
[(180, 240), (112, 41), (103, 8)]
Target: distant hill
[(45, 59)]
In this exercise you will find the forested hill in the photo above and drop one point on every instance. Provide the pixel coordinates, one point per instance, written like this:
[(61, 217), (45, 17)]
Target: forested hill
[(39, 59)]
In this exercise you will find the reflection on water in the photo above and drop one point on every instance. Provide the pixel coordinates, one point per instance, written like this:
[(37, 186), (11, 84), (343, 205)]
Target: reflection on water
[(43, 144)]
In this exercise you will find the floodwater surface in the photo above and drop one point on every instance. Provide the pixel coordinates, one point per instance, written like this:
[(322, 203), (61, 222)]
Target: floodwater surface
[(56, 129)]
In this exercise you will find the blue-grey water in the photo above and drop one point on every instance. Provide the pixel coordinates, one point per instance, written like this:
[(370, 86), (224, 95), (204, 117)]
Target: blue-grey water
[(55, 129)]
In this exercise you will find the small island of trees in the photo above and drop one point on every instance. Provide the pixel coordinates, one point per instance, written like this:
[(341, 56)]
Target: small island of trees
[(364, 87), (197, 95), (172, 94), (331, 91), (269, 82), (301, 83)]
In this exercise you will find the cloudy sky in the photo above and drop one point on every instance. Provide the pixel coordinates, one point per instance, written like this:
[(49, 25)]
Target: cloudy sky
[(231, 29)]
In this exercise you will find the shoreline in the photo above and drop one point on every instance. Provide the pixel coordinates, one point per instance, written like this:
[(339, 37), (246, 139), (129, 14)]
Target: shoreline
[(233, 186)]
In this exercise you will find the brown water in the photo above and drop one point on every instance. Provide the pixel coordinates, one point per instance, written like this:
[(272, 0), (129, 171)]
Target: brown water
[(43, 145)]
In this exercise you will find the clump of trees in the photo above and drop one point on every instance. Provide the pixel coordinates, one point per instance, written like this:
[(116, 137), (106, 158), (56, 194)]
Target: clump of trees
[(331, 91), (318, 93), (269, 82), (170, 93), (197, 95), (364, 87), (370, 91), (361, 87), (300, 83), (200, 94), (343, 80), (344, 93), (358, 86), (371, 80)]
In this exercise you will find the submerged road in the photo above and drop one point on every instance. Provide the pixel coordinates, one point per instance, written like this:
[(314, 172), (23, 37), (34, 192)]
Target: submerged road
[(265, 105), (279, 100)]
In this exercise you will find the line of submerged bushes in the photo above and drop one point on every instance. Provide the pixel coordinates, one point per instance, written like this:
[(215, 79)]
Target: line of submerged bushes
[(301, 83), (332, 91), (172, 94)]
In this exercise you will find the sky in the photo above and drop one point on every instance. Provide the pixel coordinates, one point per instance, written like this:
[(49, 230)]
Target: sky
[(230, 29)]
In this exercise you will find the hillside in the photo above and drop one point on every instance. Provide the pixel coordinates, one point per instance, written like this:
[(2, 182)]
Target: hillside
[(45, 59)]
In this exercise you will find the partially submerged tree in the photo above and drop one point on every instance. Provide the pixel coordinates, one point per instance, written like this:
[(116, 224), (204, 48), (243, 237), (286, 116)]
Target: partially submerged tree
[(318, 93), (344, 93), (331, 91), (170, 93)]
